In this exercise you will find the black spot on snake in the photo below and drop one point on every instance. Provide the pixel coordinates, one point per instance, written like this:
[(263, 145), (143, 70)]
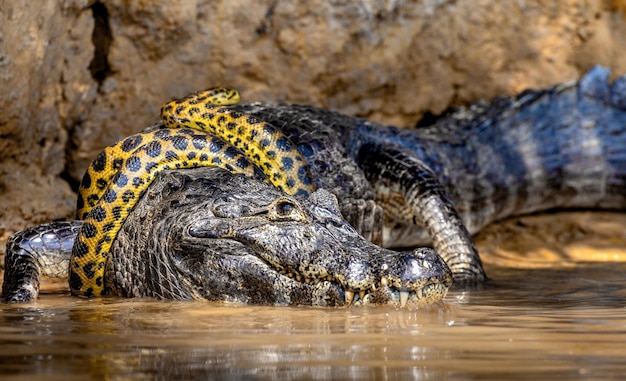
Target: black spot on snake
[(88, 270), (127, 196), (231, 152), (75, 281), (99, 162), (171, 156), (243, 163), (269, 129), (98, 214), (117, 163), (150, 165), (117, 212), (133, 164), (101, 184), (199, 142), (109, 196), (303, 175), (138, 181), (86, 181), (287, 163), (283, 144), (153, 149), (163, 133), (108, 227), (180, 144), (80, 249), (89, 230), (131, 143), (120, 179), (305, 149)]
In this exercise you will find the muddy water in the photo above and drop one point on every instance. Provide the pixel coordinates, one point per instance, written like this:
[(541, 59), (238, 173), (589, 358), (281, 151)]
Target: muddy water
[(568, 323), (565, 322)]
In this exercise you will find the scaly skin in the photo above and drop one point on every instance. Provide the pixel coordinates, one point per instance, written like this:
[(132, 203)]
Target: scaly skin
[(40, 250)]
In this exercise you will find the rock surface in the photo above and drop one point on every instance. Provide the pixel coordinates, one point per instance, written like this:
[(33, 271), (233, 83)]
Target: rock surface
[(78, 75)]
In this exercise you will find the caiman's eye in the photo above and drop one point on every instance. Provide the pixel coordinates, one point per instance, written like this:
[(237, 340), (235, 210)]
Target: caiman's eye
[(285, 209)]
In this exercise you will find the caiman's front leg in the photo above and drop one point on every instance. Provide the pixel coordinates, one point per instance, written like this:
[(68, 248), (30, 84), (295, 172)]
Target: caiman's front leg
[(31, 253), (409, 190)]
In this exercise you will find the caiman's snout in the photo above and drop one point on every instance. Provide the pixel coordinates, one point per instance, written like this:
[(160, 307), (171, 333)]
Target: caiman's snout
[(421, 276)]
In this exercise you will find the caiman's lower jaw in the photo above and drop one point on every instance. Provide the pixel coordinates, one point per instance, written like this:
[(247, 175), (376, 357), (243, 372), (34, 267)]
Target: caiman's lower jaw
[(382, 293)]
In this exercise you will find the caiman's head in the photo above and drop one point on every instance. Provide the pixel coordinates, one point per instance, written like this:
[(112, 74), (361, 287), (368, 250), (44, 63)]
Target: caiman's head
[(218, 236)]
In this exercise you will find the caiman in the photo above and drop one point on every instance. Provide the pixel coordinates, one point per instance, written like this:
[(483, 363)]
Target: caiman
[(560, 147)]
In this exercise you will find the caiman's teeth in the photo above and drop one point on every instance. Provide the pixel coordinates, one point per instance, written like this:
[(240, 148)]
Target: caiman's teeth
[(383, 281), (349, 297), (404, 297), (361, 294)]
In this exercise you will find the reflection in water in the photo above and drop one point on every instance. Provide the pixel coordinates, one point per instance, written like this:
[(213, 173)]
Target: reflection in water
[(564, 323)]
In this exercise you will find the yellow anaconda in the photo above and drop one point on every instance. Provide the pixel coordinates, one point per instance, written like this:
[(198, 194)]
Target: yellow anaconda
[(263, 144), (121, 173), (108, 162)]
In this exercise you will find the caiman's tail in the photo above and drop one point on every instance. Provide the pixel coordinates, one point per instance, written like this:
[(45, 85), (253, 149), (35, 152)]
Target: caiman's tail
[(563, 147)]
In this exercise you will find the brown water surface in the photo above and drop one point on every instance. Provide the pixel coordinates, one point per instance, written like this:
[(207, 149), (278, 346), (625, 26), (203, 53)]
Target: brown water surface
[(529, 324), (566, 322)]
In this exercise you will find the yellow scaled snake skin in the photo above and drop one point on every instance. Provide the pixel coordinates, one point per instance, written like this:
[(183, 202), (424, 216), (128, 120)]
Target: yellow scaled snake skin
[(108, 162), (121, 173)]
